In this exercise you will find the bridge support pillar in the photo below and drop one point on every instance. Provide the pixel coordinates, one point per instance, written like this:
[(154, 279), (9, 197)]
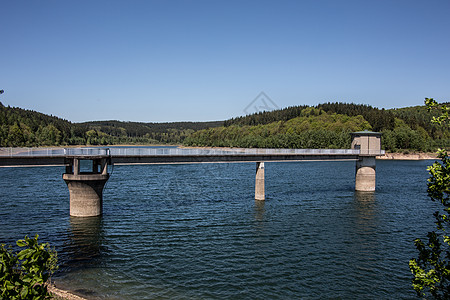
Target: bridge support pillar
[(369, 145), (259, 182), (365, 174), (86, 188)]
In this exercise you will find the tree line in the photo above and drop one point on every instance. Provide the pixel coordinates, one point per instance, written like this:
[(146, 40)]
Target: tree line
[(312, 129), (326, 125), (162, 133), (26, 128)]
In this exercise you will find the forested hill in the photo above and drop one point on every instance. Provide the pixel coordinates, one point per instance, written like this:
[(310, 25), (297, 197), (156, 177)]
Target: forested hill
[(378, 118), (26, 128), (22, 127), (163, 133), (327, 125)]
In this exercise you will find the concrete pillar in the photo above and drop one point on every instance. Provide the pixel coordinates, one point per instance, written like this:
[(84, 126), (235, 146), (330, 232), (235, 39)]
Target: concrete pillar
[(76, 166), (365, 174), (259, 182), (69, 168), (369, 145), (86, 188), (86, 193), (95, 164), (104, 166)]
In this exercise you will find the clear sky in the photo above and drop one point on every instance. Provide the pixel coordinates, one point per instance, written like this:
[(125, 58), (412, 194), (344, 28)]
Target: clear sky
[(157, 61)]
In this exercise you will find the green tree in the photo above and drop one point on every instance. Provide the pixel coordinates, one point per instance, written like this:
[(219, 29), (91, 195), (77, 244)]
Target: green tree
[(23, 275), (91, 137), (49, 135), (431, 269), (15, 137)]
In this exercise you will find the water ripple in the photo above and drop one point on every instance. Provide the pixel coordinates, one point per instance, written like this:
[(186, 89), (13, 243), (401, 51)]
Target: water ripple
[(195, 232)]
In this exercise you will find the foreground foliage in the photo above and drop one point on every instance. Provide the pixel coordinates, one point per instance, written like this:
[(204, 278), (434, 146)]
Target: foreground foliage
[(23, 274), (431, 269)]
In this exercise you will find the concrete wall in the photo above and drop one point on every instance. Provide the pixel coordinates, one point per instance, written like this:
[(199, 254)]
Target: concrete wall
[(368, 144), (365, 177), (259, 182), (86, 193)]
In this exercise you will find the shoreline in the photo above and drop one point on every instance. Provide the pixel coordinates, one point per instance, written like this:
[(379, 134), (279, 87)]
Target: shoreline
[(60, 294), (408, 156)]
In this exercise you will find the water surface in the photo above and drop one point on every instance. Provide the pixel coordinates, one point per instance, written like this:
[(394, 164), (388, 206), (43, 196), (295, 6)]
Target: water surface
[(196, 232)]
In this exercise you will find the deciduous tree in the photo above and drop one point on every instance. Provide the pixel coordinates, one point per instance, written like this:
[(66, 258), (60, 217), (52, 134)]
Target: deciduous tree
[(431, 269)]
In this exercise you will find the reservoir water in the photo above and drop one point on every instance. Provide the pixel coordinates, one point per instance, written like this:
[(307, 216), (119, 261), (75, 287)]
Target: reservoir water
[(196, 232)]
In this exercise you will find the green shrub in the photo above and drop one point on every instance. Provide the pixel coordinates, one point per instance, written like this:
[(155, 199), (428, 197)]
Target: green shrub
[(23, 274)]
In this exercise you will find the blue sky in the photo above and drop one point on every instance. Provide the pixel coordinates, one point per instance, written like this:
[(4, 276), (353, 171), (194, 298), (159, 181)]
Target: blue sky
[(157, 61)]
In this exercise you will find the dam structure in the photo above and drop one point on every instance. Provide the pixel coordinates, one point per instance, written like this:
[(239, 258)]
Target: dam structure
[(86, 188)]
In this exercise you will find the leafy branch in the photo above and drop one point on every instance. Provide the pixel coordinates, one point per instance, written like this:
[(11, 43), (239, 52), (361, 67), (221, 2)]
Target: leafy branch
[(24, 274), (443, 118), (431, 269)]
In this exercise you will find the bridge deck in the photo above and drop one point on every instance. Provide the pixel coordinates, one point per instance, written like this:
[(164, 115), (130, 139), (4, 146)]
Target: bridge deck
[(143, 155)]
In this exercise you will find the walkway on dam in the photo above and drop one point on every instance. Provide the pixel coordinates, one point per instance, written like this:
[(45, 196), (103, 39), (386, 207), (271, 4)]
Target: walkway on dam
[(151, 155), (86, 188)]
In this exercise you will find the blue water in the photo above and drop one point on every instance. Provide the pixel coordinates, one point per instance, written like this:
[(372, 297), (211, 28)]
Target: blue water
[(196, 232)]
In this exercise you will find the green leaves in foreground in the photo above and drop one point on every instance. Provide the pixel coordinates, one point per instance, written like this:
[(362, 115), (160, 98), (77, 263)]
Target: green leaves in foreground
[(23, 274), (443, 118), (431, 269)]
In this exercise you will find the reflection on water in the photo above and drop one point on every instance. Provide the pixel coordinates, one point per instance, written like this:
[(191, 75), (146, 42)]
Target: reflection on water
[(83, 246), (82, 255), (203, 238), (366, 225), (365, 197), (365, 218), (260, 210), (365, 206)]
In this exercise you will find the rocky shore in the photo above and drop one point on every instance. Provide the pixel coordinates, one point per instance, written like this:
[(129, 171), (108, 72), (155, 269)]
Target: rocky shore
[(59, 294), (408, 156)]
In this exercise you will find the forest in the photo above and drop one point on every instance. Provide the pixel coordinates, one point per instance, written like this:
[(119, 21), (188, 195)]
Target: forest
[(26, 128), (326, 125)]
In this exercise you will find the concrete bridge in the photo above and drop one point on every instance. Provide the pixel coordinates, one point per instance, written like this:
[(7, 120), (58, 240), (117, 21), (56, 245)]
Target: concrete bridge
[(86, 188)]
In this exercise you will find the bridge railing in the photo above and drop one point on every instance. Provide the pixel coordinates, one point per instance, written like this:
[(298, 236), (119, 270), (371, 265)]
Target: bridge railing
[(144, 151), (93, 151), (33, 152), (53, 152), (371, 152), (116, 152)]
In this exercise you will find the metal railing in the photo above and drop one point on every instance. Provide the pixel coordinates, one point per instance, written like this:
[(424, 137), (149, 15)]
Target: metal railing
[(371, 152), (97, 151), (53, 152), (124, 152), (144, 151)]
